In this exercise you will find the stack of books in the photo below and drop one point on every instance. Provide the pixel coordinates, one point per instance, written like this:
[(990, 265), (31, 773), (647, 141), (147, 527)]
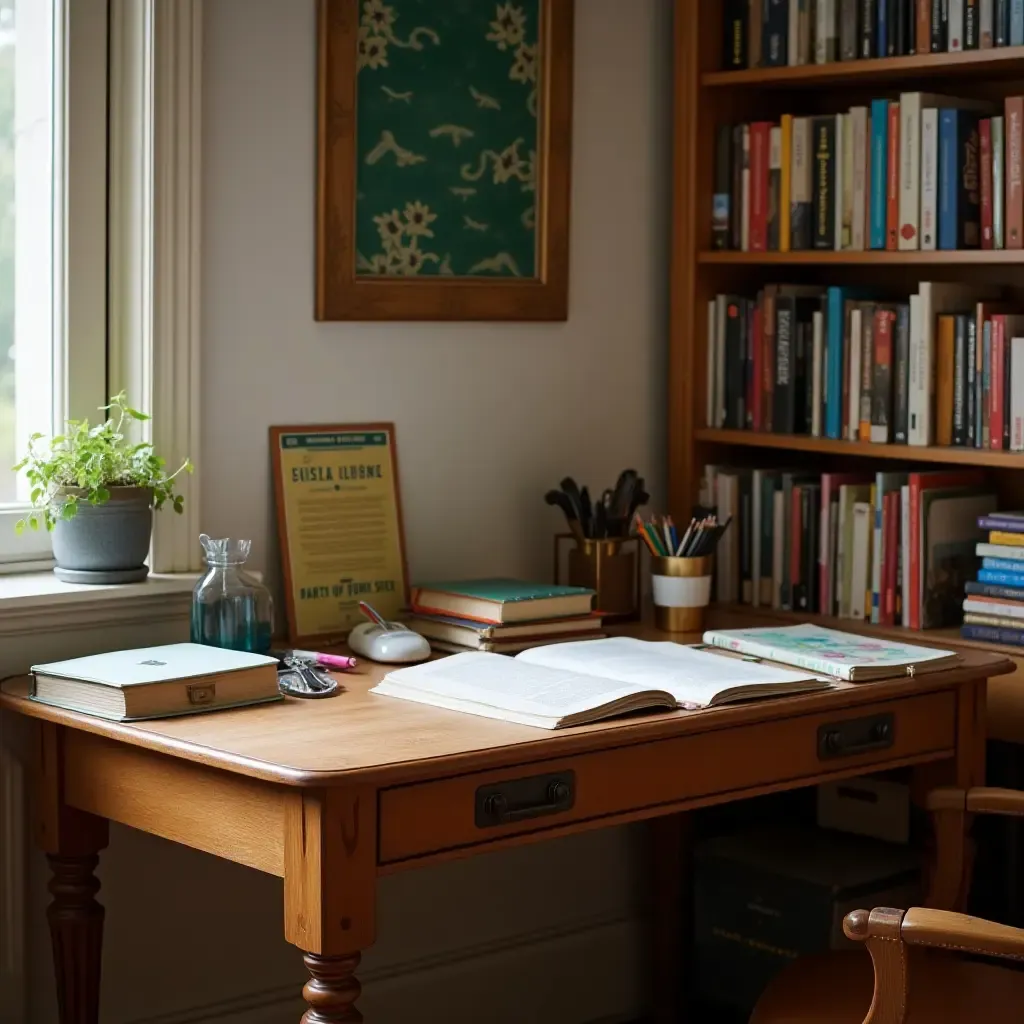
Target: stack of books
[(944, 366), (891, 548), (501, 616), (777, 33), (994, 602), (921, 172)]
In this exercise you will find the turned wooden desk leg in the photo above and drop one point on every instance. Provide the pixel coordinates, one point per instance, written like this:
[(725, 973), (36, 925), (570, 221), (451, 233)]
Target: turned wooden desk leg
[(330, 893), (332, 990), (71, 840), (76, 930)]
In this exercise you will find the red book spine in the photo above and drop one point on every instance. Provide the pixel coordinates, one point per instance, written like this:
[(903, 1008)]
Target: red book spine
[(754, 384), (890, 524), (923, 32), (913, 551), (996, 382), (985, 133), (759, 141), (892, 210), (1014, 213)]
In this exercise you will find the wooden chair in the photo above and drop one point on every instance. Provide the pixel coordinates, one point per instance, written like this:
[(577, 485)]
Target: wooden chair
[(923, 966)]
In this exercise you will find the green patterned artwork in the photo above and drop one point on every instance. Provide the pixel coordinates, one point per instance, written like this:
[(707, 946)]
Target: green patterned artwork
[(447, 138)]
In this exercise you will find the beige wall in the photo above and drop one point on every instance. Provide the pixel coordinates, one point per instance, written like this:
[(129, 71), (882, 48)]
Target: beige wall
[(488, 417)]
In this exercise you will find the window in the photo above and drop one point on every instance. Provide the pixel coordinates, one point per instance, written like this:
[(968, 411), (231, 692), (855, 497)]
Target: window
[(53, 233)]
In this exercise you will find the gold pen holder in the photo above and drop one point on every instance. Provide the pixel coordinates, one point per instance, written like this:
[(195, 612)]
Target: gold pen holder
[(682, 591), (610, 567)]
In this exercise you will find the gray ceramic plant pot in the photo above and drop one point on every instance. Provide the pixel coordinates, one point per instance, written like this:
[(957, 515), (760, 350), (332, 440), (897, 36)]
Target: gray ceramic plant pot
[(106, 543)]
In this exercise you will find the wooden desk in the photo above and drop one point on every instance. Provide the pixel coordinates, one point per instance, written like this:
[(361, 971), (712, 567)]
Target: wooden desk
[(331, 794)]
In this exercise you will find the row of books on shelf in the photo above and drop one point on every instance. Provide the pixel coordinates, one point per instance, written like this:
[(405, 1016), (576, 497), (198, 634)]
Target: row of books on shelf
[(890, 548), (921, 172), (944, 366), (994, 599), (777, 33)]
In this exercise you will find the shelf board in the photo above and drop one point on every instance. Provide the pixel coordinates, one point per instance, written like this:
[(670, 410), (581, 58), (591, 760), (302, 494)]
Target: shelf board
[(1007, 61), (748, 614), (863, 449), (872, 257)]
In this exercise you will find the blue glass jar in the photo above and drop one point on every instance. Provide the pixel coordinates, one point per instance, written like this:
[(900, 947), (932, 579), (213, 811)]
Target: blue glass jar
[(229, 607)]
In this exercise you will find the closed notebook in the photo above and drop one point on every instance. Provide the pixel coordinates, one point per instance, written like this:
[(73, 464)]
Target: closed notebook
[(831, 652), (157, 682), (468, 633), (501, 600), (576, 683)]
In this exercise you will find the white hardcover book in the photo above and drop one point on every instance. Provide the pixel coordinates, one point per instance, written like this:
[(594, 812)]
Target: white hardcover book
[(778, 545), (910, 170), (862, 517), (986, 24), (905, 551), (756, 483), (847, 193), (720, 303), (839, 186), (856, 326), (817, 369), (982, 607), (999, 551), (745, 201), (831, 652), (1017, 395), (859, 144), (935, 298), (956, 26), (711, 411), (825, 29), (929, 178)]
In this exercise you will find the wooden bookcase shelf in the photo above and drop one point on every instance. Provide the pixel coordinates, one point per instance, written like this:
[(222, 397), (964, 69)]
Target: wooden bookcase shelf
[(1006, 61), (705, 96), (868, 257), (862, 449)]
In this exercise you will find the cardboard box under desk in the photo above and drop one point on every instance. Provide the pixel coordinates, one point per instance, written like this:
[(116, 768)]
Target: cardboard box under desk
[(764, 897)]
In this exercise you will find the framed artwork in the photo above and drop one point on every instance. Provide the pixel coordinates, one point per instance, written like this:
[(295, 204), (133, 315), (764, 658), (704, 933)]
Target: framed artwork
[(444, 137), (339, 521)]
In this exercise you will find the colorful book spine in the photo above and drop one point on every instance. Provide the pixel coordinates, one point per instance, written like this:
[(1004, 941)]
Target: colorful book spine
[(910, 171), (955, 26), (993, 590), (881, 387), (823, 139), (993, 634), (929, 177), (986, 24), (760, 134), (835, 362), (985, 169), (1014, 136), (998, 183), (802, 200), (879, 166), (959, 186), (923, 25), (882, 27), (892, 209), (774, 187)]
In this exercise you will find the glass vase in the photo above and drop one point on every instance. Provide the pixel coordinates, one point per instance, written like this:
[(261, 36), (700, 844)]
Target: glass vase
[(230, 608)]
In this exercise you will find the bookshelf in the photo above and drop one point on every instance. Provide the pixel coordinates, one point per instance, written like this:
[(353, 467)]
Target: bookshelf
[(707, 96)]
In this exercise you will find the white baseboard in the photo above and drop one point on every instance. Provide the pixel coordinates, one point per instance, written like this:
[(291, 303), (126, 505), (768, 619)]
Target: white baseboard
[(591, 975)]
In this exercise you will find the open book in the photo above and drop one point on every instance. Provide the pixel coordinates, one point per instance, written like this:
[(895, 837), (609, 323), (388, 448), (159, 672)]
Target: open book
[(575, 683)]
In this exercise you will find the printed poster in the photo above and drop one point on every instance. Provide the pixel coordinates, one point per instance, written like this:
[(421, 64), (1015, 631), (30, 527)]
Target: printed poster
[(339, 520)]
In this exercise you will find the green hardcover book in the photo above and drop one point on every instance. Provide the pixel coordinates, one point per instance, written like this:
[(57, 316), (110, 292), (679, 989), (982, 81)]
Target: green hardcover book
[(501, 600)]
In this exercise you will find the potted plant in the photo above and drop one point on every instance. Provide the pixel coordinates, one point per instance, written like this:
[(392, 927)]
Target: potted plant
[(95, 489)]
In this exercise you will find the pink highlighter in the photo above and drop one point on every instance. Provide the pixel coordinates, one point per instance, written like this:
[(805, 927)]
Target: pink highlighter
[(339, 662)]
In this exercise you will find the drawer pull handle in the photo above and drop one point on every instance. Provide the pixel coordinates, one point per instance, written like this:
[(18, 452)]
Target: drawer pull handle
[(521, 799), (856, 736)]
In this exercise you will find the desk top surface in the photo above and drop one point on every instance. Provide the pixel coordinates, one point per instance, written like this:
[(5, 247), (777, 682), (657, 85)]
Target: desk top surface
[(358, 733)]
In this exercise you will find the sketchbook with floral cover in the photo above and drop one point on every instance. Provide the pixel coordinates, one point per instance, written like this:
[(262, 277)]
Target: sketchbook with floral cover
[(843, 655)]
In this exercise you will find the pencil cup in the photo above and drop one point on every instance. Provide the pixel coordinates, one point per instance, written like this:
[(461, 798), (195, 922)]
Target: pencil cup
[(682, 590), (610, 571)]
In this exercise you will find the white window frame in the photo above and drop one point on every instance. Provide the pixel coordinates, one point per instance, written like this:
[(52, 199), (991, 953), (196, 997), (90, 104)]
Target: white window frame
[(72, 307)]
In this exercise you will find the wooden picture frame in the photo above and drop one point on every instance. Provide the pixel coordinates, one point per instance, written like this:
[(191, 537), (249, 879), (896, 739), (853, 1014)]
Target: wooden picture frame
[(328, 617), (346, 287)]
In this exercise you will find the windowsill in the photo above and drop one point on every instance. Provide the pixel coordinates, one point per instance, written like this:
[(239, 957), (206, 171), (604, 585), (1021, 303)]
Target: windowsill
[(38, 601)]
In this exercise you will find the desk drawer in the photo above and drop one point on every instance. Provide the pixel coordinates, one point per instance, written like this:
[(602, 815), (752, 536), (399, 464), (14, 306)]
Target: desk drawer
[(428, 817)]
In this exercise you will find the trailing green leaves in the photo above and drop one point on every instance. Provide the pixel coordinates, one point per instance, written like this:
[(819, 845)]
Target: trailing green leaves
[(92, 459)]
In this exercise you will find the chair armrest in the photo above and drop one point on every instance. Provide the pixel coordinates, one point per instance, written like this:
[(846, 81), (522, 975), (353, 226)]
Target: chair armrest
[(945, 930), (979, 800)]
